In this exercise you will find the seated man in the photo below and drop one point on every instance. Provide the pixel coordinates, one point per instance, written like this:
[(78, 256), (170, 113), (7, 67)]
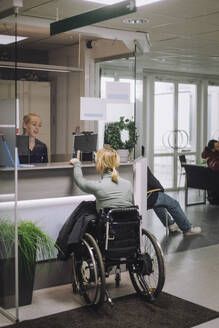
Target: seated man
[(211, 154), (159, 200)]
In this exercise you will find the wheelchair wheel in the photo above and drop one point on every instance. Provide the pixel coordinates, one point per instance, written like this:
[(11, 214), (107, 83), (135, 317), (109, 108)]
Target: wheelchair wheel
[(90, 273), (148, 272)]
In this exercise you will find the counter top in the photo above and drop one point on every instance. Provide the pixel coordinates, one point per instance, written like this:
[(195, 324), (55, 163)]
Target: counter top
[(54, 165)]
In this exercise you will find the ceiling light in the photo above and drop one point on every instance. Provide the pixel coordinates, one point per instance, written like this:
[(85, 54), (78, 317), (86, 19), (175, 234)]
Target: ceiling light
[(7, 39), (139, 3), (135, 20)]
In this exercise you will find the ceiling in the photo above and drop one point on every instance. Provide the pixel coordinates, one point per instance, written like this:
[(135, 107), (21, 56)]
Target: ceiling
[(184, 32)]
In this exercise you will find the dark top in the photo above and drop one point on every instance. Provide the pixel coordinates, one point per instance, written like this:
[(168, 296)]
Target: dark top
[(37, 155), (153, 183)]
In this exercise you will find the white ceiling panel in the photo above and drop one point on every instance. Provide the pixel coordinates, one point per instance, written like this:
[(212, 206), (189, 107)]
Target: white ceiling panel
[(211, 19), (181, 44), (153, 21), (181, 8), (213, 36), (187, 29)]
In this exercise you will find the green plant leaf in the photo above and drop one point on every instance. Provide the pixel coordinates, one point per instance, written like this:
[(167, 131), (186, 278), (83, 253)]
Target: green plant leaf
[(112, 134)]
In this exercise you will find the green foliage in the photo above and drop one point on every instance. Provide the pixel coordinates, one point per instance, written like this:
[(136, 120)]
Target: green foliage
[(112, 134), (31, 239)]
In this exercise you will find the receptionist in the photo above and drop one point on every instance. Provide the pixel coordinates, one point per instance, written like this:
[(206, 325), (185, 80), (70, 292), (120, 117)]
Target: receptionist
[(37, 149)]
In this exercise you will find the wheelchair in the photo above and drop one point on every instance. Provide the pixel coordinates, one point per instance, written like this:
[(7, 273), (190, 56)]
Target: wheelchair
[(112, 241)]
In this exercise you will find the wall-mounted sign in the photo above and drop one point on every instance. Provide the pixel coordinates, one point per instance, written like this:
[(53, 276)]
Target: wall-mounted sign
[(92, 109)]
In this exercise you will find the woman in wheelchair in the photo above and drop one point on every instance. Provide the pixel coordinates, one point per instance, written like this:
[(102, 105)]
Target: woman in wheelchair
[(113, 237), (111, 190)]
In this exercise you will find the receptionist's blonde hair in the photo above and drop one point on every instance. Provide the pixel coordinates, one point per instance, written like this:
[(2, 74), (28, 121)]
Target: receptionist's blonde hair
[(107, 160)]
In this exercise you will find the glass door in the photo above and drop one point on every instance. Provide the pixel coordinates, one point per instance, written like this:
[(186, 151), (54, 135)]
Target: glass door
[(174, 130), (163, 127), (213, 112)]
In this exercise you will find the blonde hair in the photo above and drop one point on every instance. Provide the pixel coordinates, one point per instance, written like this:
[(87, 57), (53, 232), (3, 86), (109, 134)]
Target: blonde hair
[(107, 160), (27, 119)]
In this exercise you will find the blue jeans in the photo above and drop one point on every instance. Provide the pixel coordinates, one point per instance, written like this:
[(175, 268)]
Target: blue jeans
[(174, 209)]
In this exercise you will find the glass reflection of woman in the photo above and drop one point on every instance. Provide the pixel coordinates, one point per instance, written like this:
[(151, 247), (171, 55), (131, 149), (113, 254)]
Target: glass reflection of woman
[(37, 149)]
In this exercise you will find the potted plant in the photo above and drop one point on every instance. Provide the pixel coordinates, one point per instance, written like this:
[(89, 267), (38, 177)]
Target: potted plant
[(121, 135), (32, 241)]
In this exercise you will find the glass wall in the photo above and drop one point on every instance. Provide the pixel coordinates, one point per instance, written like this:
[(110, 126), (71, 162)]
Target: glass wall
[(213, 112), (9, 109), (175, 108)]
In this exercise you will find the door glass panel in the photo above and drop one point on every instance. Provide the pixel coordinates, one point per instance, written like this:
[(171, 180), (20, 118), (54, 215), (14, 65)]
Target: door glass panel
[(163, 117), (163, 132), (7, 197), (163, 170), (213, 112), (187, 117)]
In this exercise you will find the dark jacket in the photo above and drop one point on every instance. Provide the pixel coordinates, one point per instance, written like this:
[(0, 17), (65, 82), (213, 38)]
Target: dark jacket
[(37, 155), (212, 158), (74, 228), (153, 183)]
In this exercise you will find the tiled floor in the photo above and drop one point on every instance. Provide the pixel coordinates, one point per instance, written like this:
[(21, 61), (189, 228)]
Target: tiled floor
[(192, 269)]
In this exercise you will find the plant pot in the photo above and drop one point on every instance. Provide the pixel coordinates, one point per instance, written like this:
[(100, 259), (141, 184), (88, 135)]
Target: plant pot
[(7, 282), (124, 155)]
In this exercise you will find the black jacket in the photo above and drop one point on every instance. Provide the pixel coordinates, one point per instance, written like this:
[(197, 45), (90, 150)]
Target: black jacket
[(74, 228), (37, 155), (153, 183)]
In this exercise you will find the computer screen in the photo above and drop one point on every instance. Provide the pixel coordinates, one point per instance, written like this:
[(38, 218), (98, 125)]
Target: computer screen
[(22, 145), (86, 143), (7, 147)]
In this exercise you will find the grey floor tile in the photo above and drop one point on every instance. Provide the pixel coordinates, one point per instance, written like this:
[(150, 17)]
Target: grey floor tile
[(193, 275), (209, 324)]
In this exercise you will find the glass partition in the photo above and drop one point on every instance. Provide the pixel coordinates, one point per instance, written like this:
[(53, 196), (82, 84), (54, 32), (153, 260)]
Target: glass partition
[(9, 104)]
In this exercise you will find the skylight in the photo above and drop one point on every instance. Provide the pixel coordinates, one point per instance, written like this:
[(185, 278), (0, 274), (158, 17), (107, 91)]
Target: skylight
[(139, 3), (7, 39)]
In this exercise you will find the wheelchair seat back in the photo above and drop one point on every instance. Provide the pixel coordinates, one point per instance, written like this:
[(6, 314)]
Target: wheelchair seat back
[(121, 233)]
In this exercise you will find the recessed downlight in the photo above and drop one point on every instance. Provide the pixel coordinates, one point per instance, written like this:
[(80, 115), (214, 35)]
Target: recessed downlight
[(135, 20)]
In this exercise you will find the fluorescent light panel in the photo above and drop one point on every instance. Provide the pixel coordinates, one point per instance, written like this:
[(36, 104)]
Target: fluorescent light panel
[(7, 39), (139, 3)]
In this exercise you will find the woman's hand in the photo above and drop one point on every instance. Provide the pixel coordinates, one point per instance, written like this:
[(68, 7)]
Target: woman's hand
[(74, 160)]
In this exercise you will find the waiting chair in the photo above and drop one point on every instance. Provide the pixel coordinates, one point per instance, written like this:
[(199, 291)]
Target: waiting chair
[(113, 240), (197, 177)]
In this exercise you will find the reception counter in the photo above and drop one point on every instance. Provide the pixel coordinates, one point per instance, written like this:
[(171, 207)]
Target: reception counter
[(47, 195), (50, 180)]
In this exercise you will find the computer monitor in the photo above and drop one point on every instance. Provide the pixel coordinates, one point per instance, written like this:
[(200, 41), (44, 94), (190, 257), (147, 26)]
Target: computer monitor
[(23, 148), (86, 143)]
